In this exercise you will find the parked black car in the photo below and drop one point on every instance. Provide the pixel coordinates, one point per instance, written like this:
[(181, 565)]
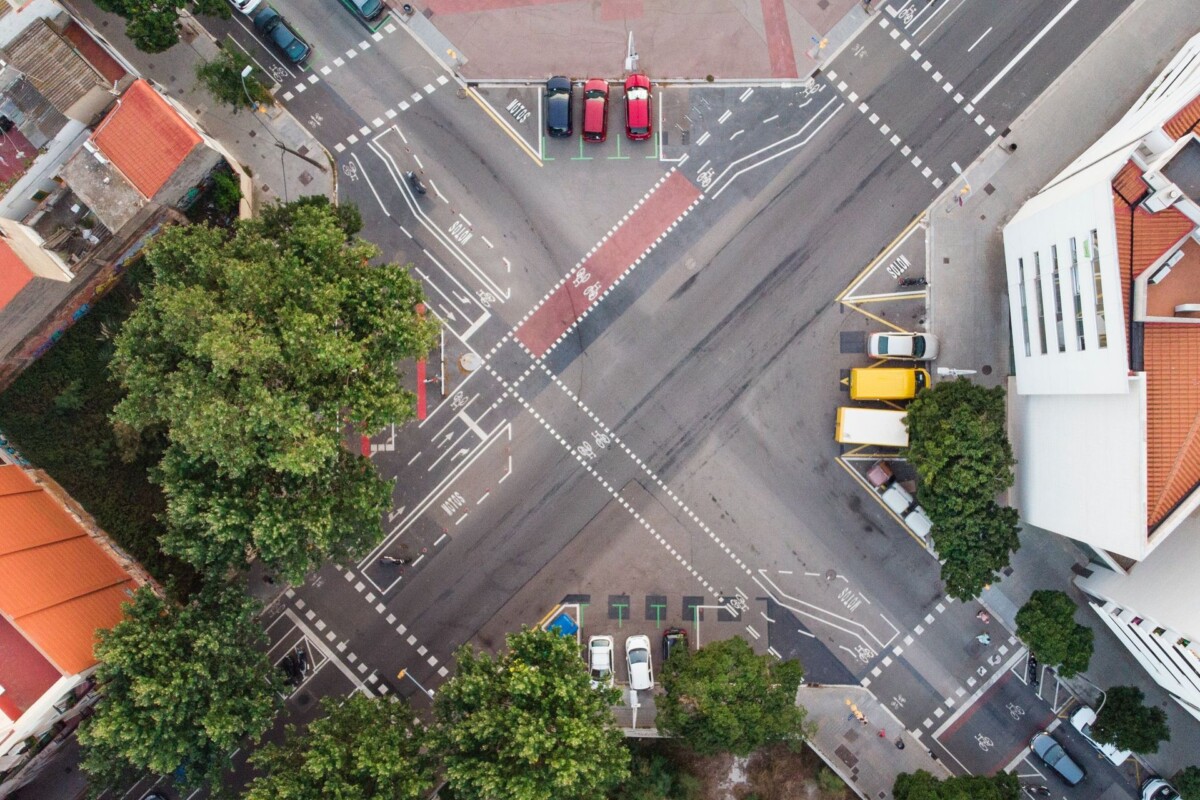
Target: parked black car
[(559, 99), (276, 29)]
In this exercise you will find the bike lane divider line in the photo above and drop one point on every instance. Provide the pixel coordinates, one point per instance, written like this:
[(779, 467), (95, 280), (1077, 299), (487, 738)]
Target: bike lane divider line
[(602, 269)]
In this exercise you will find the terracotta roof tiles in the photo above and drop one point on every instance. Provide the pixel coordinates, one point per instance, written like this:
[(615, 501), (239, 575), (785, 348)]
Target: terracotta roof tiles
[(57, 586), (1184, 121), (1172, 363), (1128, 183), (14, 275), (145, 138), (93, 53)]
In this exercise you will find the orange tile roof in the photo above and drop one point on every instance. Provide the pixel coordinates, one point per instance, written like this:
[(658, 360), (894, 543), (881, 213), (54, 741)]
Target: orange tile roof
[(1183, 121), (145, 138), (1172, 364), (1128, 183), (1153, 235), (14, 275), (57, 585)]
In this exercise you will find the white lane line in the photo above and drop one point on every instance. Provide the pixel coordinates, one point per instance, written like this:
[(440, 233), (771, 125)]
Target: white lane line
[(723, 117), (746, 95), (1024, 51), (980, 39)]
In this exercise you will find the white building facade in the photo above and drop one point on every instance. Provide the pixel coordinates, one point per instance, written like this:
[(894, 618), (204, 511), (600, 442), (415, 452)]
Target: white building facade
[(1103, 269)]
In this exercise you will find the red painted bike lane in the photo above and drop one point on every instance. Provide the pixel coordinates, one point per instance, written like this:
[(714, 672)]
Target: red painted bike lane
[(600, 271)]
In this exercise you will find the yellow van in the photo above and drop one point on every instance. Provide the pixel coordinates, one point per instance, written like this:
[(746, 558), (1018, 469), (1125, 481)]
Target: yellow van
[(887, 383)]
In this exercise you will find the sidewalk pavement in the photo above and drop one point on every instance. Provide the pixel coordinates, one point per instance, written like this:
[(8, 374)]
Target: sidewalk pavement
[(866, 760), (969, 309), (677, 40), (247, 136)]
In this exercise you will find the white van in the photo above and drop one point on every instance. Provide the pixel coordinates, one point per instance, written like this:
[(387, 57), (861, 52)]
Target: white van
[(1082, 721), (919, 522), (877, 426)]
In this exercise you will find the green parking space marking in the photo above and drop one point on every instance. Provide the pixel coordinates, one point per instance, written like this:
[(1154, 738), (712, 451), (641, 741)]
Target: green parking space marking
[(656, 608), (581, 156), (581, 600), (657, 149), (617, 606), (692, 610), (543, 153), (618, 156)]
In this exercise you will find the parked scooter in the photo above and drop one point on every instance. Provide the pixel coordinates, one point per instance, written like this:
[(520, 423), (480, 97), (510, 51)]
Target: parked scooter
[(301, 659), (914, 282), (415, 182)]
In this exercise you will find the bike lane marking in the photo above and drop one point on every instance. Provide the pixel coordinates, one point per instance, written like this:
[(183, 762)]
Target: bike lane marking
[(603, 268)]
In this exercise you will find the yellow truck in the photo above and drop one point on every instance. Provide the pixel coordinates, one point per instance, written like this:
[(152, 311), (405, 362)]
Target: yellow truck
[(887, 383)]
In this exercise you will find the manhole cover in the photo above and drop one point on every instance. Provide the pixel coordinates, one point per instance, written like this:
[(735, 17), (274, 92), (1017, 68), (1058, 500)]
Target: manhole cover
[(470, 362)]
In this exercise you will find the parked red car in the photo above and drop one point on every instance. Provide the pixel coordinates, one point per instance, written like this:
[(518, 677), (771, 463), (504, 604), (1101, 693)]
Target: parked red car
[(595, 110), (638, 107)]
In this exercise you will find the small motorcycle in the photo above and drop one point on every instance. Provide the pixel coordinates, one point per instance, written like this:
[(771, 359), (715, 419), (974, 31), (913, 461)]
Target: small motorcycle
[(415, 182), (914, 282)]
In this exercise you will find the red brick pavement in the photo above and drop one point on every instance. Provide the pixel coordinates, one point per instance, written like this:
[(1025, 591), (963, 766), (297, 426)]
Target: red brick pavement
[(602, 269)]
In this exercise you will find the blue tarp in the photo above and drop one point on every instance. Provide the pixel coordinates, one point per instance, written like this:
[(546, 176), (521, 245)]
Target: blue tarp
[(564, 625)]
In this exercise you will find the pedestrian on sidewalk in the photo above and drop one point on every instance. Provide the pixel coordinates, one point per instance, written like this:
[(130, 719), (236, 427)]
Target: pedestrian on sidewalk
[(984, 617), (983, 639)]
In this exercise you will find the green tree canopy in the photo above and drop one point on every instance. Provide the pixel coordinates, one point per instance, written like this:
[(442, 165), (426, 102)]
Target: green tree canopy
[(153, 25), (1046, 623), (1126, 722), (255, 353), (921, 785), (527, 725), (1187, 783), (181, 686), (960, 449), (363, 748), (724, 698), (222, 77)]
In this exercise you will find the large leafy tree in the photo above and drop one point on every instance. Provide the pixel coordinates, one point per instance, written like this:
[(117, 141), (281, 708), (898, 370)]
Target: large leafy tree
[(1187, 782), (254, 353), (527, 725), (960, 448), (921, 785), (1046, 623), (222, 77), (724, 698), (363, 748), (1126, 722), (153, 25), (181, 687)]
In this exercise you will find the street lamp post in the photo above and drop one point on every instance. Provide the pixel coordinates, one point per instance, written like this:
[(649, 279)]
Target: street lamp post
[(246, 70)]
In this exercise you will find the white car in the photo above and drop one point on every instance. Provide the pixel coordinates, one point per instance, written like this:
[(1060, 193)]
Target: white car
[(637, 659), (1082, 721), (1158, 789), (904, 346), (600, 661), (247, 7)]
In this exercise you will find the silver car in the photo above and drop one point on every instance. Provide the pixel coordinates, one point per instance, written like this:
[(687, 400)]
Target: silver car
[(1053, 756)]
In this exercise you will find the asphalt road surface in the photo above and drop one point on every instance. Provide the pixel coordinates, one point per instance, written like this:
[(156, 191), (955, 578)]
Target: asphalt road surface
[(649, 327)]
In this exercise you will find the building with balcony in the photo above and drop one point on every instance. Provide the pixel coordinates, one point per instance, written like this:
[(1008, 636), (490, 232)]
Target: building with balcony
[(1103, 269)]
